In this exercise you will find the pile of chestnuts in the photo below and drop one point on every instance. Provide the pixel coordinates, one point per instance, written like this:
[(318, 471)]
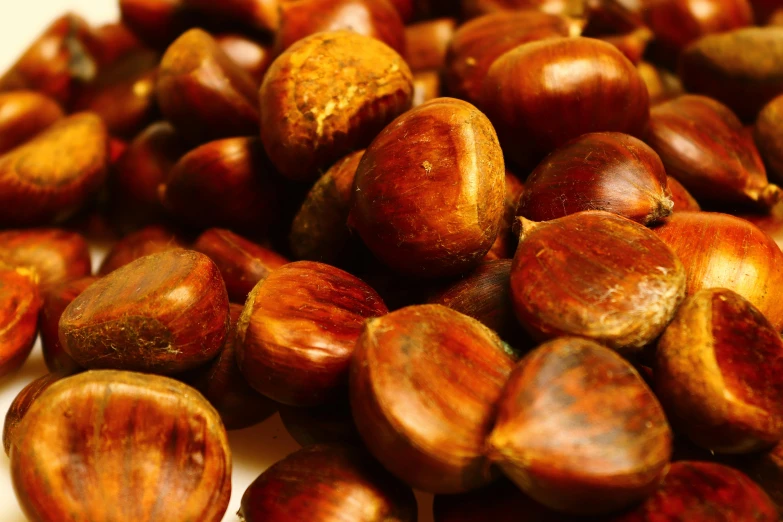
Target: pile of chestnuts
[(524, 255)]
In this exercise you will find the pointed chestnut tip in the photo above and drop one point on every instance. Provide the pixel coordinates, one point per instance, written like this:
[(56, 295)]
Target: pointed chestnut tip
[(522, 226), (662, 210), (770, 195)]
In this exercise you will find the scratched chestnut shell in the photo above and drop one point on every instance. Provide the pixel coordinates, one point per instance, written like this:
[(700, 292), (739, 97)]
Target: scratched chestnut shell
[(429, 190), (160, 448), (599, 171), (328, 483), (424, 382), (722, 251), (23, 114), (53, 175), (148, 240), (596, 275), (51, 255), (704, 146), (297, 332), (327, 95), (21, 404), (20, 302), (699, 491), (163, 313), (542, 94), (579, 430)]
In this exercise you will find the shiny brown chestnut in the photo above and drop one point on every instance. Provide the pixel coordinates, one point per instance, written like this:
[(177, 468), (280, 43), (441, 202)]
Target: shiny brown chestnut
[(632, 44), (426, 43), (771, 223), (262, 15), (327, 95), (249, 54), (328, 483), (20, 302), (424, 383), (428, 194), (203, 93), (542, 94), (148, 240), (474, 8), (596, 275), (241, 262), (52, 255), (297, 333), (330, 423), (426, 87), (662, 85), (711, 245), (705, 147), (163, 313), (157, 437), (681, 198), (50, 177), (21, 404), (506, 242), (768, 134), (599, 171), (23, 114)]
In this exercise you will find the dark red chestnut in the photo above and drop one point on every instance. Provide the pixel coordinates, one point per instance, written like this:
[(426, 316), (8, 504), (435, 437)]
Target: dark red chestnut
[(156, 22), (52, 255), (23, 114), (148, 240), (19, 305), (263, 15)]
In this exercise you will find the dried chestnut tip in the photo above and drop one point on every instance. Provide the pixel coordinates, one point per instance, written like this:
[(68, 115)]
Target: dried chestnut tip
[(523, 226), (183, 454), (327, 482), (719, 373), (20, 303), (21, 403), (579, 431)]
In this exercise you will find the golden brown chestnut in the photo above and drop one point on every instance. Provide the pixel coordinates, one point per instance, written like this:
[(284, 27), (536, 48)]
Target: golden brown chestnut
[(163, 313), (262, 15), (241, 262), (20, 302), (23, 114), (596, 275), (474, 8), (297, 333), (426, 43), (542, 94), (742, 68), (249, 54), (681, 197), (506, 242), (426, 87), (704, 146), (722, 251), (719, 373), (52, 255), (768, 134), (21, 404), (203, 93), (428, 194), (148, 240), (424, 383), (160, 448), (579, 430), (328, 483), (599, 171), (330, 423), (327, 95), (662, 85), (51, 176)]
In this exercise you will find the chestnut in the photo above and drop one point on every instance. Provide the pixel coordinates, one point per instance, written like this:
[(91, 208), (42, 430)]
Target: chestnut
[(579, 430), (55, 300), (328, 483), (52, 255), (474, 8), (631, 44), (241, 262), (768, 133), (428, 194), (662, 85), (426, 43), (249, 54), (23, 114), (776, 19), (19, 305), (407, 8), (156, 22), (297, 333), (262, 15), (426, 87), (298, 19), (149, 240), (330, 423), (21, 404), (765, 469), (701, 491), (505, 244), (544, 93), (51, 176), (681, 198), (718, 373), (203, 93), (115, 41), (596, 275), (599, 171), (771, 223), (704, 146), (160, 447), (162, 313), (741, 68), (424, 383), (327, 95), (722, 251)]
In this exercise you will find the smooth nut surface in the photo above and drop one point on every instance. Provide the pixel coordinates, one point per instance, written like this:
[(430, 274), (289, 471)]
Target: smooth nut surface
[(23, 114), (19, 305)]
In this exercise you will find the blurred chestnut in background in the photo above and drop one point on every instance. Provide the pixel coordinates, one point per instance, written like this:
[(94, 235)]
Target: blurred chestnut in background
[(776, 18), (52, 255), (424, 383), (249, 54), (20, 302), (262, 15), (21, 404), (681, 198), (23, 114), (771, 223), (542, 94), (722, 251), (596, 275), (328, 483), (156, 22), (327, 95), (632, 44), (163, 313), (768, 133), (426, 43), (426, 87), (719, 373), (429, 190), (662, 84), (599, 171), (474, 8), (148, 240), (323, 424), (115, 41)]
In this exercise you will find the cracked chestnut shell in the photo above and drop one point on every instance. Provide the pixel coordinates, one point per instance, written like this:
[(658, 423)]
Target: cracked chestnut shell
[(424, 383), (163, 313), (429, 191), (23, 114), (52, 255), (19, 305), (327, 95), (719, 373), (328, 483), (161, 449), (596, 275)]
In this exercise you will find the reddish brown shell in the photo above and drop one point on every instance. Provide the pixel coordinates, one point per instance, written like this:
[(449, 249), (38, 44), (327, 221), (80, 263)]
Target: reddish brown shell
[(768, 134), (22, 403), (52, 255), (506, 242), (149, 240), (426, 43), (473, 8), (683, 201), (19, 306), (23, 114), (263, 15)]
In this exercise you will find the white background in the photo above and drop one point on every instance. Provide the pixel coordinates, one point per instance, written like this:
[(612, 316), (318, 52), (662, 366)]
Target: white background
[(254, 449)]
